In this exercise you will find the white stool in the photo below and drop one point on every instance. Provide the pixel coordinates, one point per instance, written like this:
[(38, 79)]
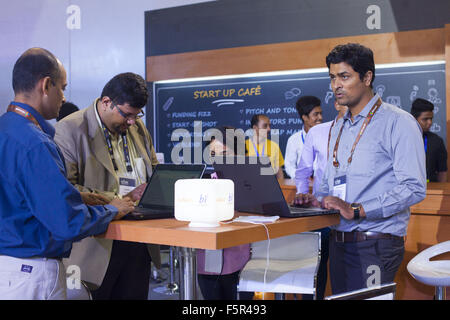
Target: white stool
[(432, 273)]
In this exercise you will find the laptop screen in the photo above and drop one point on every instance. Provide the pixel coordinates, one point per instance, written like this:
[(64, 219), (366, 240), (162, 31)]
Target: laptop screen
[(160, 189), (256, 187)]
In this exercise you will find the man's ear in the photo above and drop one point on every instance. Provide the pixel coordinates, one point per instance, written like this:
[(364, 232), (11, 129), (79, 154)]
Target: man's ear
[(44, 85), (304, 118), (368, 78), (106, 101)]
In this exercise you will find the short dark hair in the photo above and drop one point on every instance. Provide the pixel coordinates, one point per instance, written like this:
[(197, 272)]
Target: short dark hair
[(66, 109), (32, 66), (421, 105), (255, 119), (128, 88), (306, 104), (360, 58)]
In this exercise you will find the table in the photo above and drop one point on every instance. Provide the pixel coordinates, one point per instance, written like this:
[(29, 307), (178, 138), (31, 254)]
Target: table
[(172, 232)]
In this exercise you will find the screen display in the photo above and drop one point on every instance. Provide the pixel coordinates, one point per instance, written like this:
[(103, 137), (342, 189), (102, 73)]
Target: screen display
[(161, 189)]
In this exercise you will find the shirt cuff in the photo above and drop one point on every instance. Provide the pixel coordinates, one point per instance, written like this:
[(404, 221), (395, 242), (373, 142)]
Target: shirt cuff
[(372, 209), (111, 208)]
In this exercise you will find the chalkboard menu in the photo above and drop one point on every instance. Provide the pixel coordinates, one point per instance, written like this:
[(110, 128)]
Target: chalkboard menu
[(232, 101)]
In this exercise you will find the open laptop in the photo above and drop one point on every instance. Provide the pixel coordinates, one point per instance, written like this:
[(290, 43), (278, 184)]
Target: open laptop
[(157, 201), (260, 193)]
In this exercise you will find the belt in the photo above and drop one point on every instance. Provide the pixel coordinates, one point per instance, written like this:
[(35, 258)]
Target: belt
[(357, 236)]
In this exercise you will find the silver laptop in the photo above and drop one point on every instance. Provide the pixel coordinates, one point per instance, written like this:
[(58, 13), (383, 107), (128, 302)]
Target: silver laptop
[(260, 193), (157, 201)]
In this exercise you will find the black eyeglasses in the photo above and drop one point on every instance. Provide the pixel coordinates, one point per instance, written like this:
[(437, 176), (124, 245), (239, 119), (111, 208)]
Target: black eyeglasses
[(129, 116)]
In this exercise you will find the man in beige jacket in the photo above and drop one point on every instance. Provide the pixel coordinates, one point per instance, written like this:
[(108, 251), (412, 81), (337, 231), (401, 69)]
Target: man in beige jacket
[(109, 152)]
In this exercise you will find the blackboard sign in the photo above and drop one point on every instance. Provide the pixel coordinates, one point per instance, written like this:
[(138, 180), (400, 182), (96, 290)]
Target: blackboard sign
[(234, 100)]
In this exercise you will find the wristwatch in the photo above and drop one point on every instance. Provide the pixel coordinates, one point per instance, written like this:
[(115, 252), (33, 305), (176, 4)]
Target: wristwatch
[(356, 210)]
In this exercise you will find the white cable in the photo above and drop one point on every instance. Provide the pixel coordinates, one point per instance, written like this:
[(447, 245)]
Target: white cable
[(268, 250)]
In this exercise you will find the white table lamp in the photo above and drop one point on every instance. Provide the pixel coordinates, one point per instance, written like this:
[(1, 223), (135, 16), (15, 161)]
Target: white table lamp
[(204, 202)]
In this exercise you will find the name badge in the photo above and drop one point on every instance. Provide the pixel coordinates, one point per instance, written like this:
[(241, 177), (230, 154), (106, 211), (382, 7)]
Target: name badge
[(214, 261), (340, 187), (126, 185)]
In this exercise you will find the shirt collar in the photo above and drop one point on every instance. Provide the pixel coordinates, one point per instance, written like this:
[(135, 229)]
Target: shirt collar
[(365, 111), (45, 125), (96, 113)]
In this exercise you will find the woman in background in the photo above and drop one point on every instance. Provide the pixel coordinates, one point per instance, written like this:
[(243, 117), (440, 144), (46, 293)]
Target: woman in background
[(218, 270)]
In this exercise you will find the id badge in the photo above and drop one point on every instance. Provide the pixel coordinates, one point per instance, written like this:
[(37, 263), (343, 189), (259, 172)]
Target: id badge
[(126, 185), (340, 187), (214, 261)]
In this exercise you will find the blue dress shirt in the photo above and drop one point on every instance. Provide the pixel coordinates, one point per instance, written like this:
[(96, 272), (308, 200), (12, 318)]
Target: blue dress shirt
[(387, 174), (41, 213)]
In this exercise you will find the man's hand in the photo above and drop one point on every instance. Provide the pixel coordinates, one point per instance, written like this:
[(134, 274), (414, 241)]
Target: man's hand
[(136, 193), (344, 208), (93, 199), (306, 200), (124, 206)]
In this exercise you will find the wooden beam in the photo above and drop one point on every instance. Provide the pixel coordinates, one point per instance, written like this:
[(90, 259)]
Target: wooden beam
[(408, 46)]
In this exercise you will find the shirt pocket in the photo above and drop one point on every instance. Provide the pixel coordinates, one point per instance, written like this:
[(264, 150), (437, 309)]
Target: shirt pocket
[(364, 161)]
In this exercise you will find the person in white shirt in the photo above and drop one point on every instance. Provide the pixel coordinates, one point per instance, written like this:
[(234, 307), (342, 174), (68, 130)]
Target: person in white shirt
[(314, 156), (313, 160), (309, 110)]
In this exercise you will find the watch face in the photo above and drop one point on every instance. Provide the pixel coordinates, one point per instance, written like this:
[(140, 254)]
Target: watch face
[(355, 205)]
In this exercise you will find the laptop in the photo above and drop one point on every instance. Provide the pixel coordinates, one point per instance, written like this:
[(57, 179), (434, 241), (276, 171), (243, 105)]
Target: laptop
[(157, 201), (260, 193)]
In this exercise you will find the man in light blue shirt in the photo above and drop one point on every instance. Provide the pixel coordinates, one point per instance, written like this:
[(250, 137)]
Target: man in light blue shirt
[(375, 172)]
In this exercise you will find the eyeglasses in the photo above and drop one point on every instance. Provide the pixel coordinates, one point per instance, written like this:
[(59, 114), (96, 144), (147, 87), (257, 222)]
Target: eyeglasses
[(129, 116)]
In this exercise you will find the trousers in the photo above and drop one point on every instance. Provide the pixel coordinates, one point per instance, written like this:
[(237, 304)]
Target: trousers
[(358, 265), (128, 274), (32, 279)]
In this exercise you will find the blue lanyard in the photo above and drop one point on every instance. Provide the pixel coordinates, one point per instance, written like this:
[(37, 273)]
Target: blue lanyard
[(256, 149), (425, 138), (303, 138)]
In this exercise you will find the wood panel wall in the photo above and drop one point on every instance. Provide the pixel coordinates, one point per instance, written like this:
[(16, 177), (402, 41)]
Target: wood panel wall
[(409, 46)]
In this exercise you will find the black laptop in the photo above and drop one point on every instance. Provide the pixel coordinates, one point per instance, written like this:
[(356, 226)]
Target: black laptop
[(256, 191), (157, 201)]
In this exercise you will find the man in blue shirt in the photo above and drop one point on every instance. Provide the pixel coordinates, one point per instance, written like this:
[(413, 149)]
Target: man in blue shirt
[(41, 213), (375, 172)]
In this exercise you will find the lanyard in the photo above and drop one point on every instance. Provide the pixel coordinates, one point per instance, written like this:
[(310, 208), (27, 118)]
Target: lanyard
[(329, 137), (24, 113), (369, 117), (256, 149), (425, 140), (111, 152), (303, 138)]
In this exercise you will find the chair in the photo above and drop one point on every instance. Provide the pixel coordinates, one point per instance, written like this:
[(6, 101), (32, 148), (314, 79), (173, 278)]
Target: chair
[(290, 265), (82, 293), (432, 273), (381, 292)]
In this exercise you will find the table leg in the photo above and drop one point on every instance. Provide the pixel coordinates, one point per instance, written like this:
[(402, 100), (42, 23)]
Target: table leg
[(188, 273)]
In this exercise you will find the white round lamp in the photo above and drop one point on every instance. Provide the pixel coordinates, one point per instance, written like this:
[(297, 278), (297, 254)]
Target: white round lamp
[(204, 202)]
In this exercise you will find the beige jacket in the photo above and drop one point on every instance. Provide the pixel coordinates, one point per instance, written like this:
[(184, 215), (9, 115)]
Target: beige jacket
[(89, 168)]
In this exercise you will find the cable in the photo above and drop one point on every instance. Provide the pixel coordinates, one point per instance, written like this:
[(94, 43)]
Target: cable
[(268, 250)]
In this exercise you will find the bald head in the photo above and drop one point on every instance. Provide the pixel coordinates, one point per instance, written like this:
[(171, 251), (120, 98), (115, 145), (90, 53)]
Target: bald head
[(32, 66)]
